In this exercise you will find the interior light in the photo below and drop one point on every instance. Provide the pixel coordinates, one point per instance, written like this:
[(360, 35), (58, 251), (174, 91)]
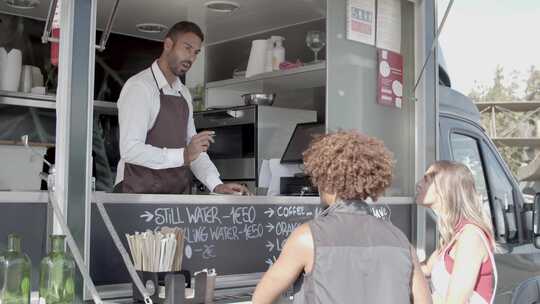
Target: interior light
[(151, 28), (22, 4), (222, 6)]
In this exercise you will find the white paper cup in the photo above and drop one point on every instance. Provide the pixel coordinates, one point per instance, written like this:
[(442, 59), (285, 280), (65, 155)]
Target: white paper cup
[(257, 58), (37, 77), (25, 85)]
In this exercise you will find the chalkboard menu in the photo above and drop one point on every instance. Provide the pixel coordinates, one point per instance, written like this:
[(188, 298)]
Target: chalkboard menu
[(29, 221), (233, 239)]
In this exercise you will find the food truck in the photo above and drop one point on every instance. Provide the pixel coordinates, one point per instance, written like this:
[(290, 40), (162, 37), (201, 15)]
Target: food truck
[(373, 66)]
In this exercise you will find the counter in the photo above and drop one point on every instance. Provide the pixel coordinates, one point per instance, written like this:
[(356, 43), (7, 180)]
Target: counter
[(239, 236)]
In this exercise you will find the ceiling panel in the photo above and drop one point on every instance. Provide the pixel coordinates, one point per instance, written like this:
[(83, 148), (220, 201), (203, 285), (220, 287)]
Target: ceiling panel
[(252, 16)]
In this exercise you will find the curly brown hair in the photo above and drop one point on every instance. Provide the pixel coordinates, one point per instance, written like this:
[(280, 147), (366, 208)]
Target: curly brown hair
[(349, 164)]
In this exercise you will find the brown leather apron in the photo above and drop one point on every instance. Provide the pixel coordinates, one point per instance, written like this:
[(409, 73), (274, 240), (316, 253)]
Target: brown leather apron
[(169, 131)]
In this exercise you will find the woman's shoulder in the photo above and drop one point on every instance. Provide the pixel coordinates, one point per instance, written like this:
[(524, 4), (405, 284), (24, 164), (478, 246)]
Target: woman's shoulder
[(472, 232), (302, 237), (472, 238)]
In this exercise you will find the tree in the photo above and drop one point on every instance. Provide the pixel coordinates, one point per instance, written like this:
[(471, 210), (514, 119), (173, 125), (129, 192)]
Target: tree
[(478, 92), (500, 90), (532, 91)]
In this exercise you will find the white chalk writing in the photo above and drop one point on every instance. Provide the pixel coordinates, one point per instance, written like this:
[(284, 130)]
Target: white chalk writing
[(203, 215), (224, 233), (209, 252), (285, 229), (196, 234), (253, 231), (242, 215), (288, 211)]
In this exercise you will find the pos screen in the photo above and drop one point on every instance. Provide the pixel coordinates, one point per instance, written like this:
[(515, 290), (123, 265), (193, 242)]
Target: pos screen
[(300, 139)]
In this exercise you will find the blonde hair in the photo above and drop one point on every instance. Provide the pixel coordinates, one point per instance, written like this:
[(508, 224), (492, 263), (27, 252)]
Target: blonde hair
[(459, 201)]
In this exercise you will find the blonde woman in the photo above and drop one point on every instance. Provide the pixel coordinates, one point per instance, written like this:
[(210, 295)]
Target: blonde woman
[(462, 269)]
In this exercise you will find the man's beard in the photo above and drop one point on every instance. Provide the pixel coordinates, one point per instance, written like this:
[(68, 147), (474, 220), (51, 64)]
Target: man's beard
[(181, 68)]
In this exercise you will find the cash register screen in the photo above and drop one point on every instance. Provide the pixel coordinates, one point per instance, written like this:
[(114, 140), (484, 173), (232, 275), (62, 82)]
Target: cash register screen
[(300, 139)]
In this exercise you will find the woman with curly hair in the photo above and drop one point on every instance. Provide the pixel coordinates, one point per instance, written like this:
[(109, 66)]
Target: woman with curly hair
[(346, 254), (462, 269)]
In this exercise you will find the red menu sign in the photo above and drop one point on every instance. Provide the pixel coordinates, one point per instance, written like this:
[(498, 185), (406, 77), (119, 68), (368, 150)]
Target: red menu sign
[(390, 78)]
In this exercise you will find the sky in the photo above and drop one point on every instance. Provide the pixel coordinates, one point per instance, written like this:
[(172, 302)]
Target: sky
[(481, 34)]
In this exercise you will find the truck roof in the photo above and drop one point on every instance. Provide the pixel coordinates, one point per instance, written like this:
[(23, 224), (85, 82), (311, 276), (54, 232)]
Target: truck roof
[(454, 103)]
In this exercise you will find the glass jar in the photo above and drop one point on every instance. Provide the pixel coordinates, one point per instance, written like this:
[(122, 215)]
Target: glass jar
[(197, 95), (15, 267), (57, 272)]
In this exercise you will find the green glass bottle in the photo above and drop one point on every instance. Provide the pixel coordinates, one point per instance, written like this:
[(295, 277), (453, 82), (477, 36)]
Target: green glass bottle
[(15, 268), (56, 279)]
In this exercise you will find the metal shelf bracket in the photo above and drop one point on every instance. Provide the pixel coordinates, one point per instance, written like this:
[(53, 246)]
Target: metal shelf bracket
[(46, 37)]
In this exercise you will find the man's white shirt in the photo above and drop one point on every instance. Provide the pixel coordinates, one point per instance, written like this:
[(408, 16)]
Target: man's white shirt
[(138, 107)]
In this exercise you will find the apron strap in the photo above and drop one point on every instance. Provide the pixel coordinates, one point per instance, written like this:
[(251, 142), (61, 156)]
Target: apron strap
[(157, 85), (155, 80)]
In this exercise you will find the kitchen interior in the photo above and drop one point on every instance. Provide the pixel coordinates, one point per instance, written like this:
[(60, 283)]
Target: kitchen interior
[(262, 82), (249, 132)]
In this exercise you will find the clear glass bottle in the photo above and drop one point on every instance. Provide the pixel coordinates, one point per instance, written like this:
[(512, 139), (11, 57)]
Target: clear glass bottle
[(15, 267), (57, 272)]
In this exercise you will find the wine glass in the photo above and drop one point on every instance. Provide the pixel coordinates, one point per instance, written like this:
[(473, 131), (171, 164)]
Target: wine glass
[(316, 40)]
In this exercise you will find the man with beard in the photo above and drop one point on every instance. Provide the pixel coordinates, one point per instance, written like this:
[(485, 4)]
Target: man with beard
[(159, 146)]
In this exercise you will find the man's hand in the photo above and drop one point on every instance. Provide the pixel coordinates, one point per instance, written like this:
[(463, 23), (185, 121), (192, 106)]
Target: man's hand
[(231, 189), (199, 143)]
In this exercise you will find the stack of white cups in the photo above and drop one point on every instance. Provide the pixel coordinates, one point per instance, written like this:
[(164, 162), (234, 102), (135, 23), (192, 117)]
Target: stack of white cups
[(10, 69), (16, 77), (257, 58)]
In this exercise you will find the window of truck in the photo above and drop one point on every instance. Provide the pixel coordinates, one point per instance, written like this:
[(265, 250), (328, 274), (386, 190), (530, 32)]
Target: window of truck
[(465, 149), (492, 184)]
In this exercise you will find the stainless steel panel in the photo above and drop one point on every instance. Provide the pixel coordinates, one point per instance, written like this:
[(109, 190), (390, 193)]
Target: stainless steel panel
[(426, 136), (239, 168), (275, 127), (23, 197), (75, 95), (123, 198), (352, 70), (225, 117)]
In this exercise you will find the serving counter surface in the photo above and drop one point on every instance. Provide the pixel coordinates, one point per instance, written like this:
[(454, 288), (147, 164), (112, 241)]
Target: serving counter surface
[(41, 197), (239, 236)]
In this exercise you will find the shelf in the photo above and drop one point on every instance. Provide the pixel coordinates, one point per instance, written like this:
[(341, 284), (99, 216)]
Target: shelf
[(27, 100), (47, 102), (309, 76), (515, 106), (20, 143), (105, 107), (518, 141)]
